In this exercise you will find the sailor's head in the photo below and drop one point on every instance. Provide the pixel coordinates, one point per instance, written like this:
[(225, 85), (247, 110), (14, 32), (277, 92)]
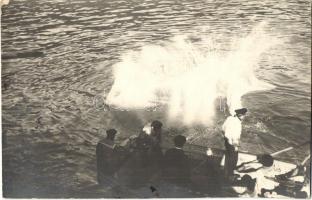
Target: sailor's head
[(209, 152), (156, 126), (240, 113), (110, 134), (249, 182), (179, 141), (266, 160)]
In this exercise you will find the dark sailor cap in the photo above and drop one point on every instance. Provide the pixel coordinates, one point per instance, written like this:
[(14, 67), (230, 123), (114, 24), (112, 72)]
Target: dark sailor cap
[(241, 111), (266, 160), (111, 132), (156, 124), (179, 140), (248, 182)]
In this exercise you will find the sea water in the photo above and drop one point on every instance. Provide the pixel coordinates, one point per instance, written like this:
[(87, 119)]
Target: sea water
[(160, 59)]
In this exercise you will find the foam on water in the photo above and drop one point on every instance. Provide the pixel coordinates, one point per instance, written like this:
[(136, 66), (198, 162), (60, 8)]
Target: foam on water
[(189, 76)]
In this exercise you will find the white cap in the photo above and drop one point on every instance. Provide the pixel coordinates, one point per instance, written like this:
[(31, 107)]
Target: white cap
[(147, 129), (209, 152)]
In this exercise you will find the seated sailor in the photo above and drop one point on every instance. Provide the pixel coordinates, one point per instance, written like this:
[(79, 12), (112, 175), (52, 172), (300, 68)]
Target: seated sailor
[(296, 174), (262, 161), (106, 158), (245, 186), (291, 184), (258, 169), (176, 163)]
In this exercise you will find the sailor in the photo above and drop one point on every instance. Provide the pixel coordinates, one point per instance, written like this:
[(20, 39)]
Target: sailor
[(156, 131), (292, 183), (232, 129), (136, 170), (296, 174), (143, 141), (150, 136), (206, 175), (155, 152), (176, 163), (245, 186), (150, 140), (105, 156), (262, 161), (258, 169)]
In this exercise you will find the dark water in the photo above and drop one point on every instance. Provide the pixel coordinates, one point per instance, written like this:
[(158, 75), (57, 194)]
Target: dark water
[(49, 115)]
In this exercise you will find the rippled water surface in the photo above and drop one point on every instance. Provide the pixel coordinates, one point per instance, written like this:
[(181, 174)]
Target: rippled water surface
[(49, 112)]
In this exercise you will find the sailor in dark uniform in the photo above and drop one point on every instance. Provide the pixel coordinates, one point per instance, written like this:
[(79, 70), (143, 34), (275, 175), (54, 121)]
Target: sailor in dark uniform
[(147, 144), (206, 175), (146, 157), (156, 127), (134, 172), (106, 158), (144, 161), (176, 163), (155, 153)]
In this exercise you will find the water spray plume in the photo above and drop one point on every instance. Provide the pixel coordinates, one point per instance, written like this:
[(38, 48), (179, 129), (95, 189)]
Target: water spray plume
[(188, 78)]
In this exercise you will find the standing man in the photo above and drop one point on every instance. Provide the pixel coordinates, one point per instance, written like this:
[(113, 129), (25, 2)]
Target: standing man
[(155, 152), (176, 163), (232, 129), (106, 156), (156, 131), (144, 163)]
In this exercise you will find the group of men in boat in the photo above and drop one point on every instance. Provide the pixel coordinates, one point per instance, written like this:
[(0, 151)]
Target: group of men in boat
[(141, 158), (143, 155)]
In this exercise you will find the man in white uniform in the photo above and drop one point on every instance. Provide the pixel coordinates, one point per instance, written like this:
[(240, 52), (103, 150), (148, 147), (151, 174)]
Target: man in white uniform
[(232, 129)]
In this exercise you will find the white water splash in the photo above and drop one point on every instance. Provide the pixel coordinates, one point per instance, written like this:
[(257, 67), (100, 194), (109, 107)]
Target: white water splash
[(189, 77)]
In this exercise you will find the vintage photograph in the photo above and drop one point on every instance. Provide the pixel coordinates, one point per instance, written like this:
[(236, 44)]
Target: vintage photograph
[(156, 98)]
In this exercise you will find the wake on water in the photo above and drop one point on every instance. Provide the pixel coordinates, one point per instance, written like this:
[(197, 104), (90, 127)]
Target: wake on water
[(188, 77)]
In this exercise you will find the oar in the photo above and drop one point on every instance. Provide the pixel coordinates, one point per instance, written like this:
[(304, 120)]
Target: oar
[(278, 152), (288, 149), (305, 160)]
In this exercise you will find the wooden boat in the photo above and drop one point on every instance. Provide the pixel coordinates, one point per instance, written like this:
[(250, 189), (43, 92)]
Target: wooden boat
[(198, 155), (203, 184)]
